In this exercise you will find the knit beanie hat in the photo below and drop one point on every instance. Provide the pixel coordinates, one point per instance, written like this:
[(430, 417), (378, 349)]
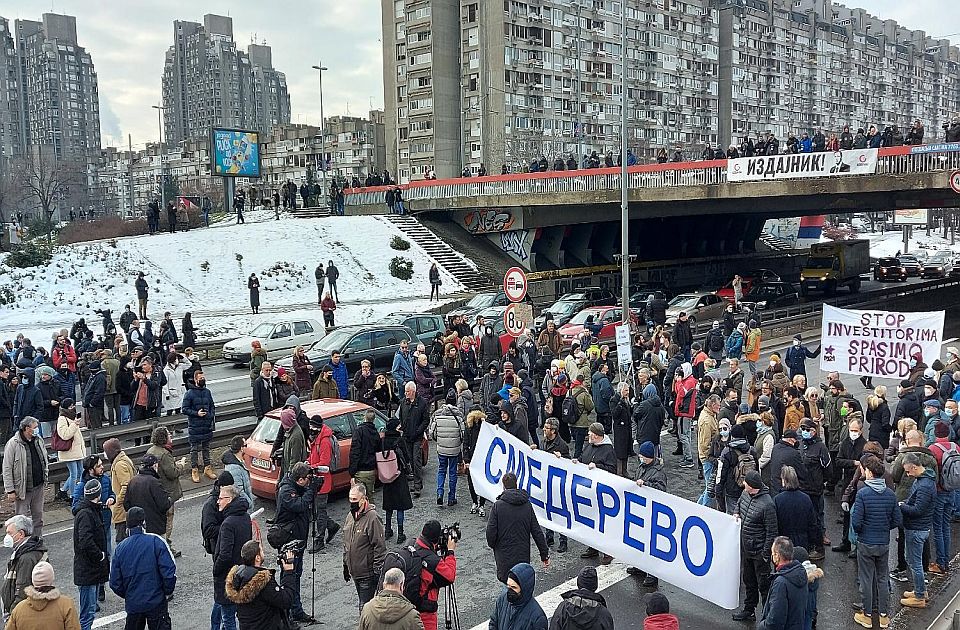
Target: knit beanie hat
[(42, 576), (648, 450), (288, 418), (431, 532), (225, 479), (92, 489), (657, 604), (136, 517), (587, 579)]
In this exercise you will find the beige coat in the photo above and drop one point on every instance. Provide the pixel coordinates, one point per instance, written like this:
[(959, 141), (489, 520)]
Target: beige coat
[(122, 471), (69, 430), (44, 611), (16, 464)]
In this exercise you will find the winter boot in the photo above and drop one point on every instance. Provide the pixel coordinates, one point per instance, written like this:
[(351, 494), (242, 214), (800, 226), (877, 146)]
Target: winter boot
[(195, 475), (401, 538), (208, 471), (388, 532)]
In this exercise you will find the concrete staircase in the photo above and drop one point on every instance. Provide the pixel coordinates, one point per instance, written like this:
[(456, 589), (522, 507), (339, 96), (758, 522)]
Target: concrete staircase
[(311, 213), (775, 243), (455, 263)]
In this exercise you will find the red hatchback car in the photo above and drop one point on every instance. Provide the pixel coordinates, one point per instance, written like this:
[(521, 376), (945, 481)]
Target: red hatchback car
[(608, 317), (342, 416)]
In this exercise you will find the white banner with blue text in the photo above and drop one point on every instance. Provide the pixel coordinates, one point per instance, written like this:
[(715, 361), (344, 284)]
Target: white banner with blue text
[(799, 165), (691, 546)]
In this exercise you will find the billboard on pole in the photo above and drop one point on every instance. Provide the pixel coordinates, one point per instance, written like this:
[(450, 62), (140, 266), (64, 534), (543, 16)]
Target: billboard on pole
[(235, 153)]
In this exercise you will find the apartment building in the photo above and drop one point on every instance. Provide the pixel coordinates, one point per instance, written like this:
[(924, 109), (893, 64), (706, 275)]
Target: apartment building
[(542, 77)]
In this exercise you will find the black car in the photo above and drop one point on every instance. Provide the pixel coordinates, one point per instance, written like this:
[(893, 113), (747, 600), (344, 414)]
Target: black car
[(377, 343), (425, 325), (481, 302), (590, 296), (771, 294), (911, 264), (889, 269)]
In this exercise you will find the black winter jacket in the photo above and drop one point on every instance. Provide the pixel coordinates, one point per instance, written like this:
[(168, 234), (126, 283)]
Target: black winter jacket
[(294, 505), (648, 419), (622, 427), (786, 603), (414, 418), (146, 491), (510, 525), (758, 523), (235, 530), (262, 604), (601, 455), (785, 455), (797, 519), (880, 426), (816, 460), (582, 610), (363, 448), (50, 392), (95, 390), (91, 564), (199, 428)]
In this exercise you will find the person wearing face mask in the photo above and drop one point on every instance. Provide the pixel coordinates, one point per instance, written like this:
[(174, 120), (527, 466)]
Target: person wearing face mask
[(797, 355), (933, 417), (200, 411), (489, 347), (516, 608), (909, 404), (950, 416), (848, 460), (930, 411), (364, 545), (295, 498), (758, 528), (28, 550), (917, 367), (816, 460)]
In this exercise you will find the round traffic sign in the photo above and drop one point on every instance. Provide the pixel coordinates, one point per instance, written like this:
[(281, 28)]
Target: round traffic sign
[(515, 284), (955, 181), (513, 320)]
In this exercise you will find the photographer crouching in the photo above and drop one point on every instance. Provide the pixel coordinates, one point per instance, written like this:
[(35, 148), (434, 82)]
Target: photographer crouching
[(295, 499), (261, 602), (429, 565)]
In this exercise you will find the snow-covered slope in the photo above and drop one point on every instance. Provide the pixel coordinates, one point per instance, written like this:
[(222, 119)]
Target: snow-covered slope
[(205, 271)]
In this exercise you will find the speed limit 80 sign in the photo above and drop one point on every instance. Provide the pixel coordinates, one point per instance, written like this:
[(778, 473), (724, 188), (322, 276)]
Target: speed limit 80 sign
[(516, 318)]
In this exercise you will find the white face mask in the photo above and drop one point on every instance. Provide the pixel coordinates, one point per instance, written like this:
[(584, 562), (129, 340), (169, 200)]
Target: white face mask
[(796, 342), (773, 364), (854, 435), (8, 541)]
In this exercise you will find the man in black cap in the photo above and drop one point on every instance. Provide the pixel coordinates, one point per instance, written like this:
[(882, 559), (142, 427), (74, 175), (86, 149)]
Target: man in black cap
[(785, 453), (440, 564), (583, 607), (144, 574), (91, 562), (146, 492), (94, 393), (758, 529)]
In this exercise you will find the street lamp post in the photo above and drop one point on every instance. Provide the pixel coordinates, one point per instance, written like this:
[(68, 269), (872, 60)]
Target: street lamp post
[(323, 133), (163, 151), (624, 184)]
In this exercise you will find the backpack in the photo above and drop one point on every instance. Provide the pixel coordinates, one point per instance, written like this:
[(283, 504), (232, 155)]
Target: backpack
[(716, 343), (570, 410), (334, 453), (949, 467), (411, 561), (745, 464), (388, 466)]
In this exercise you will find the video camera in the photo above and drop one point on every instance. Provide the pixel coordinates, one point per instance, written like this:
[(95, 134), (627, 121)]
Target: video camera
[(293, 547), (450, 532)]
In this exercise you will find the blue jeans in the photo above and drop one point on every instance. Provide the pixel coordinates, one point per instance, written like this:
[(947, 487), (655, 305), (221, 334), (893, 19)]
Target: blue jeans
[(88, 606), (297, 608), (942, 513), (914, 540), (447, 467), (685, 438), (223, 617), (74, 472), (579, 437), (707, 482), (124, 414)]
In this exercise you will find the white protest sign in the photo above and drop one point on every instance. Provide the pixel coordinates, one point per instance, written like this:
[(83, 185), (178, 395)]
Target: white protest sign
[(624, 351), (878, 343), (689, 545), (800, 165)]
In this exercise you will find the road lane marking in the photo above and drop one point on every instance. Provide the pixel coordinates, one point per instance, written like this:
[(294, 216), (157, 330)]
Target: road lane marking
[(228, 379), (607, 576), (110, 619)]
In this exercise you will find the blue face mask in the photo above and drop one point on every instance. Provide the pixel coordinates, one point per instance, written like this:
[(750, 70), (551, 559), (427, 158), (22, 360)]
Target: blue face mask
[(806, 434), (760, 425), (945, 414), (724, 433)]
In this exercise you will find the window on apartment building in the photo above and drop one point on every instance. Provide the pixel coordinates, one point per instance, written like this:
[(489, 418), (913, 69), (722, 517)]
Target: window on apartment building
[(401, 52), (401, 92), (473, 83), (471, 13)]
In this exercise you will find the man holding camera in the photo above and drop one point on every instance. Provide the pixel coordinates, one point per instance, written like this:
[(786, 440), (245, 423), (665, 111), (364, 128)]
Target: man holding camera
[(439, 569), (364, 546), (261, 602), (294, 509)]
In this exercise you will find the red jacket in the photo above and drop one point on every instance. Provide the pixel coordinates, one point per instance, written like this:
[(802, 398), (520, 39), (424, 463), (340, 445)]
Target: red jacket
[(328, 304), (64, 356), (665, 621), (437, 572), (937, 448), (321, 454), (685, 397)]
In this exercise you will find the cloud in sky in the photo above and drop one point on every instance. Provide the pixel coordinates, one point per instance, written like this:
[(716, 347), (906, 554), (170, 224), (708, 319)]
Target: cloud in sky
[(128, 40)]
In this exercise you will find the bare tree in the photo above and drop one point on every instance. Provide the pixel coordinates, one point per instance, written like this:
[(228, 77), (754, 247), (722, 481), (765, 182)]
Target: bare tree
[(6, 192), (43, 181)]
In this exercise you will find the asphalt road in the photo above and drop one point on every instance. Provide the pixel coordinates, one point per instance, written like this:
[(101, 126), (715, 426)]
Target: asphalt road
[(477, 588)]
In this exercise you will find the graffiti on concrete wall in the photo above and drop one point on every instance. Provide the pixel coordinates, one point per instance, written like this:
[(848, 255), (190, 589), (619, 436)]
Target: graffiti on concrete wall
[(487, 221), (515, 243)]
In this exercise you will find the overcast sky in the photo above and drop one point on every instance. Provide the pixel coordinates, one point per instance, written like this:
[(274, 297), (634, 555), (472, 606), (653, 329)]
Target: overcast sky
[(128, 48)]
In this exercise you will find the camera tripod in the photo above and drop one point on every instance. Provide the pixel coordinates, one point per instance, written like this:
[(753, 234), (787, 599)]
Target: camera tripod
[(451, 613), (313, 566)]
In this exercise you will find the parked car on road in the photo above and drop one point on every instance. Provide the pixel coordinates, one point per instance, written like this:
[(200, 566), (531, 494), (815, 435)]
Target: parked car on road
[(937, 265), (277, 338), (562, 312), (342, 416), (424, 325), (771, 295), (482, 301), (606, 316), (375, 342), (699, 306), (747, 281), (889, 269)]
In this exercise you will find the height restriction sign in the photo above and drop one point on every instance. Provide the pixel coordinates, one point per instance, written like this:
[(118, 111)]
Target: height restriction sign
[(515, 284)]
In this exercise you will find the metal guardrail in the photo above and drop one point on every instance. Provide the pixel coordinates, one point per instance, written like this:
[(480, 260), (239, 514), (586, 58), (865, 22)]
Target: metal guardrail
[(891, 161)]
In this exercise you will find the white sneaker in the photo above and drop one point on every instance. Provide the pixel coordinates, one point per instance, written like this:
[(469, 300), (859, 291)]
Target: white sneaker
[(473, 510), (481, 512)]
